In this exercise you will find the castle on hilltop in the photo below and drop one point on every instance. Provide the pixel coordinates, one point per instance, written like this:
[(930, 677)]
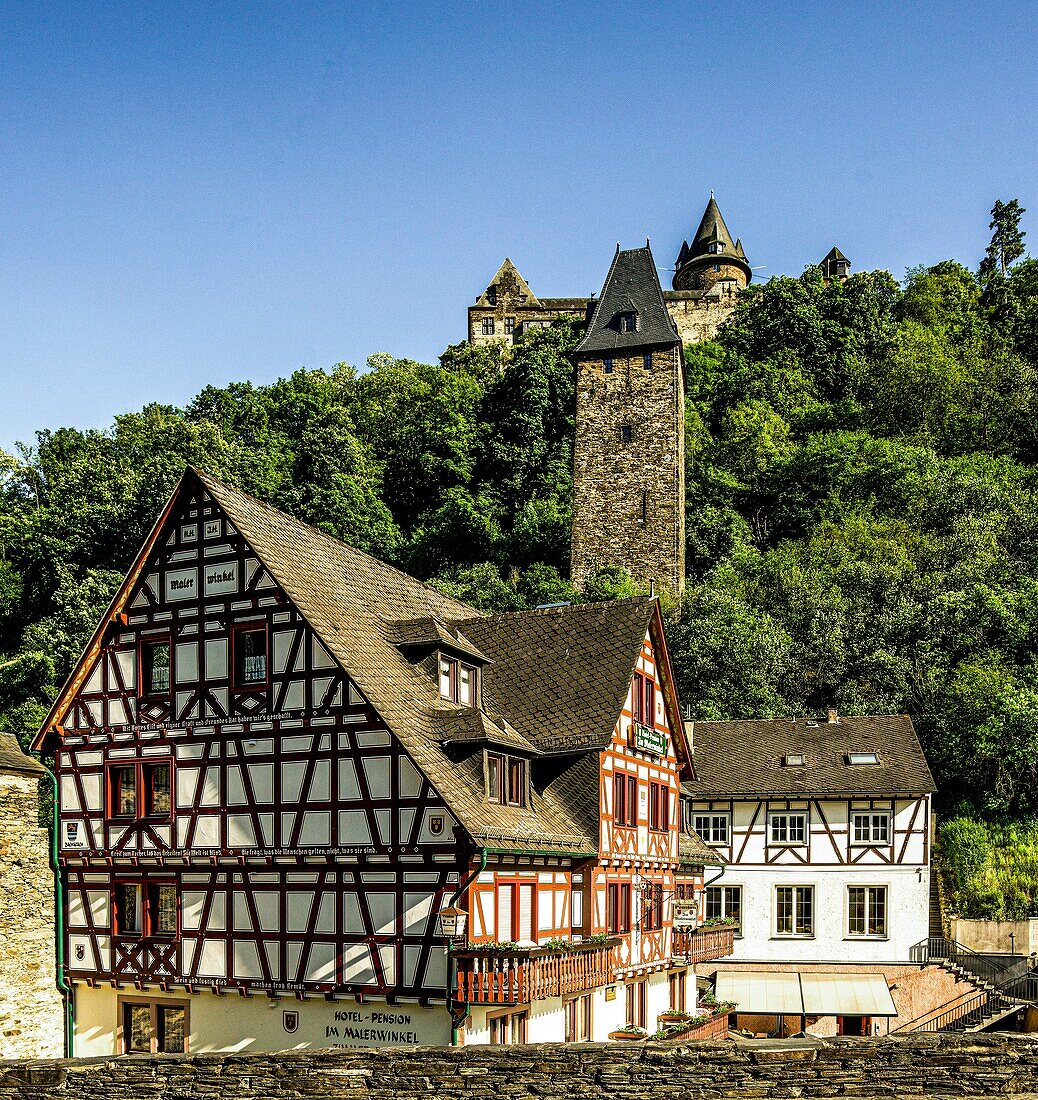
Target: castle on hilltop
[(629, 443), (708, 275)]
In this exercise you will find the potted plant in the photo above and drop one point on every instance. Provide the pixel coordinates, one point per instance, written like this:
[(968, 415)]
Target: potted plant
[(673, 1016), (628, 1032)]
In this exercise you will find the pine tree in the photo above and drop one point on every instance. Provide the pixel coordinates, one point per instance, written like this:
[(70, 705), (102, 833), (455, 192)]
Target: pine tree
[(1007, 240)]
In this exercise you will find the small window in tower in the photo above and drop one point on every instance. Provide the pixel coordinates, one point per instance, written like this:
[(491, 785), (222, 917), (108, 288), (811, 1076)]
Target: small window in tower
[(717, 267), (488, 326), (509, 326), (645, 507), (625, 434), (629, 321), (647, 361), (607, 366), (719, 247)]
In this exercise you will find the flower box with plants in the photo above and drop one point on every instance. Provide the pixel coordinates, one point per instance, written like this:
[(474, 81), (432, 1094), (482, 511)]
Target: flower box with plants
[(629, 1032), (711, 1022)]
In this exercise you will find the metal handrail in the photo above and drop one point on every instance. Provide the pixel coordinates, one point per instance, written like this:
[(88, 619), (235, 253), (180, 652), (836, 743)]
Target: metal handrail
[(1017, 990), (939, 948)]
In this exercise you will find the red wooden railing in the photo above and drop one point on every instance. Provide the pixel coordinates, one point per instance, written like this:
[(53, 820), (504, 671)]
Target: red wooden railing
[(496, 976), (703, 944), (715, 1028)]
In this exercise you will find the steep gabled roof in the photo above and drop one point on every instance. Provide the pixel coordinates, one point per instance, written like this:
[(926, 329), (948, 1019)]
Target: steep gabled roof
[(554, 680), (508, 281), (632, 285), (834, 254), (746, 757)]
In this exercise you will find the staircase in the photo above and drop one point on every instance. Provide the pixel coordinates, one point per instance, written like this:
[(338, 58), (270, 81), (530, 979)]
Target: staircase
[(1003, 988)]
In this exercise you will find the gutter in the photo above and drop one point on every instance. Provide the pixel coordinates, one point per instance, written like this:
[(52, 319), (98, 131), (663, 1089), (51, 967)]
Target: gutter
[(455, 898), (59, 921)]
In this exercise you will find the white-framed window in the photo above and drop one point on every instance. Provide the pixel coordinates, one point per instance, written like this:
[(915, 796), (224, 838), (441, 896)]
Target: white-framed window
[(794, 910), (867, 911), (787, 828), (870, 827), (724, 902), (488, 326), (712, 828), (859, 758)]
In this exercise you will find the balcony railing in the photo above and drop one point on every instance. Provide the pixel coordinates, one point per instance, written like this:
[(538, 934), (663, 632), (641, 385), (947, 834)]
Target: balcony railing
[(714, 1028), (703, 944), (495, 975)]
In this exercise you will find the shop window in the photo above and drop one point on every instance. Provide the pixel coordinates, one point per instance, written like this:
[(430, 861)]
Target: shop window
[(154, 1027)]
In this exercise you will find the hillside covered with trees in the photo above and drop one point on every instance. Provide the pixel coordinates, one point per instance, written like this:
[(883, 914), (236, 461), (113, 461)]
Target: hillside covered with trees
[(862, 503)]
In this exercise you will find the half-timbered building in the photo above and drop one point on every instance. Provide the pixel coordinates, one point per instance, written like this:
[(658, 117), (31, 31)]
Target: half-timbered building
[(279, 759), (824, 829)]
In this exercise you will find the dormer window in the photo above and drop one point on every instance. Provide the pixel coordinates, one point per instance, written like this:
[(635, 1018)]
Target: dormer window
[(716, 246), (629, 321), (457, 681), (506, 779), (855, 758)]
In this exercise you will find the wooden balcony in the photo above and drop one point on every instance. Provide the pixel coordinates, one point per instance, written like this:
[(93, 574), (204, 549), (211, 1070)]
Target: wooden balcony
[(703, 944), (503, 976)]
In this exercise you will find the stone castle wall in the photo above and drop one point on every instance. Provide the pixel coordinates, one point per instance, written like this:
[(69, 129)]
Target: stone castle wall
[(31, 1014), (918, 1066), (628, 486)]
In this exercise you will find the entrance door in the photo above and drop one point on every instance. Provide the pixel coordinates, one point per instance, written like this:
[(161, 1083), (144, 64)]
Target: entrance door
[(852, 1025)]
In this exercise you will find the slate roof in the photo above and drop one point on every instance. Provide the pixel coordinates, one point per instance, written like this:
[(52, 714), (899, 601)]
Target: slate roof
[(12, 759), (693, 851), (632, 282), (834, 254), (745, 757), (556, 678), (712, 230)]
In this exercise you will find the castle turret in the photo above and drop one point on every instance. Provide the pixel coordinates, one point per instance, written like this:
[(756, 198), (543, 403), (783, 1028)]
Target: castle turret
[(713, 258), (629, 443), (836, 265)]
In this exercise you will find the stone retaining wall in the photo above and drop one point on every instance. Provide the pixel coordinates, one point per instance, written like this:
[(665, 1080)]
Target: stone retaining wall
[(931, 1065)]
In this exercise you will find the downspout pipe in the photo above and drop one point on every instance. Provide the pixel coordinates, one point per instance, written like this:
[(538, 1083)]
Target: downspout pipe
[(455, 898), (59, 920)]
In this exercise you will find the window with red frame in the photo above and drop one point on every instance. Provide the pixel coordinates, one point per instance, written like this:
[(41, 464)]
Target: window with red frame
[(659, 807), (652, 906), (644, 693), (625, 800), (250, 656), (142, 789), (618, 906), (144, 909)]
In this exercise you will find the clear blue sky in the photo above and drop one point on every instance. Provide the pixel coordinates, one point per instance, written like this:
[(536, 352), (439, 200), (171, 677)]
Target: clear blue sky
[(201, 193)]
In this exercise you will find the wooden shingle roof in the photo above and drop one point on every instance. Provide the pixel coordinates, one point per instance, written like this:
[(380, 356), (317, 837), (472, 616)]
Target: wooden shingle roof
[(746, 758)]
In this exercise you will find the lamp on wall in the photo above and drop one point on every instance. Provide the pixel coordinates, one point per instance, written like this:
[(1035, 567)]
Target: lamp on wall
[(451, 922)]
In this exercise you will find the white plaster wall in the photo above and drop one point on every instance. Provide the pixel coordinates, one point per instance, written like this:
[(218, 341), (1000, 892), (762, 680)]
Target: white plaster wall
[(233, 1023), (908, 914)]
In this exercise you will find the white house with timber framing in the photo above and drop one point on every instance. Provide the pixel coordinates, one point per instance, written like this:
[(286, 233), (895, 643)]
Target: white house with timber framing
[(279, 759), (824, 829)]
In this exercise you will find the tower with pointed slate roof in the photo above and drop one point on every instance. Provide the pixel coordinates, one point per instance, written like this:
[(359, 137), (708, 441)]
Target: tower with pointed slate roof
[(629, 454), (713, 260)]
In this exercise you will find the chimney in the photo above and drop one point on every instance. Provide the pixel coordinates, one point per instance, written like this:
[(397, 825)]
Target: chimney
[(834, 718)]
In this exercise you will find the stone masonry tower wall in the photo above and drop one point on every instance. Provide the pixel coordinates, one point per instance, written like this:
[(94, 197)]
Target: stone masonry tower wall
[(629, 467), (31, 1014)]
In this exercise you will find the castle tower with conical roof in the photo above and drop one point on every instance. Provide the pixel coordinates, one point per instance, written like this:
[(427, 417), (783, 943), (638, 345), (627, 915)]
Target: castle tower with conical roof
[(713, 259)]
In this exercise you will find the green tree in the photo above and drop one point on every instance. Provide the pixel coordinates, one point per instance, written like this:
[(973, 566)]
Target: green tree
[(1007, 239)]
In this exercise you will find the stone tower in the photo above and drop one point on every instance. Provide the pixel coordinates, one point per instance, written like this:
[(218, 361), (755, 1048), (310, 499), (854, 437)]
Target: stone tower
[(713, 260), (31, 1010), (629, 445)]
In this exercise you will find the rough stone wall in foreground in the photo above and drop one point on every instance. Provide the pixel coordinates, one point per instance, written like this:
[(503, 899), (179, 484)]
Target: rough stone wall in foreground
[(30, 1006), (935, 1066)]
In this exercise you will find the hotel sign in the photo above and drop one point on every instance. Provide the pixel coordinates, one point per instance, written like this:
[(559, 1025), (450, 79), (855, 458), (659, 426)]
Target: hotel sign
[(649, 740)]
